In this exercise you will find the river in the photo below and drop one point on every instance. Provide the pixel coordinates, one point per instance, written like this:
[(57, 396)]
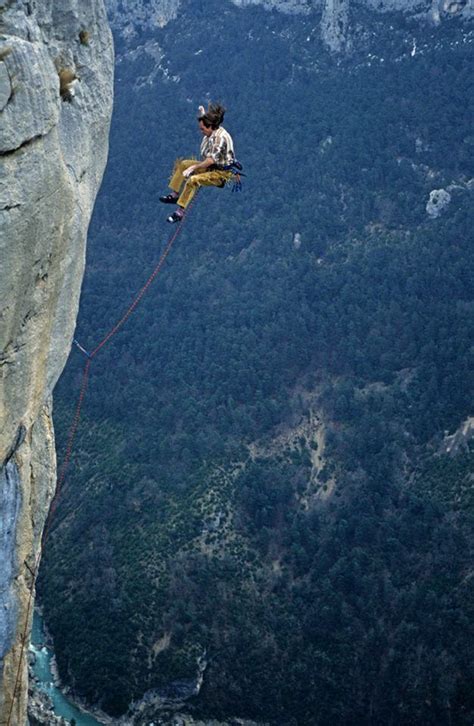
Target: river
[(42, 670)]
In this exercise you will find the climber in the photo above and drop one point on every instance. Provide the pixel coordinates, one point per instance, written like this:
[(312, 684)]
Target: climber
[(217, 155)]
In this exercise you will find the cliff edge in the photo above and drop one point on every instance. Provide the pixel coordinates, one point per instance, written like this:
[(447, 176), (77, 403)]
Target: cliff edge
[(56, 75)]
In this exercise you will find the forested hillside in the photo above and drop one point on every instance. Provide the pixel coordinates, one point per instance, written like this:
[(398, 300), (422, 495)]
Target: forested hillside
[(261, 483)]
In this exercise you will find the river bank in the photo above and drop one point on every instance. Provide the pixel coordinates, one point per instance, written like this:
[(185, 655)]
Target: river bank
[(47, 703)]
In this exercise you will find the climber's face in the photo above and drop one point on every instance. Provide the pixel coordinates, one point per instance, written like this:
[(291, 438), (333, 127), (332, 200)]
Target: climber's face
[(206, 130)]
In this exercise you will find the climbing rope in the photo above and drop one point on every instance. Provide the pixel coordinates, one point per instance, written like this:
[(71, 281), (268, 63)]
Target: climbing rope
[(70, 443)]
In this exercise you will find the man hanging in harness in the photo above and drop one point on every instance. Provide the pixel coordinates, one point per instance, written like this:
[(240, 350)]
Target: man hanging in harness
[(214, 169)]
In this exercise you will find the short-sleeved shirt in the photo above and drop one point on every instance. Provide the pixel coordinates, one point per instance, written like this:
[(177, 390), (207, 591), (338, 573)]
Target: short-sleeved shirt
[(219, 146)]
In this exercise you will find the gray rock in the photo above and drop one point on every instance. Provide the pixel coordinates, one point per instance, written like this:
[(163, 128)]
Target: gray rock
[(290, 7), (53, 149), (130, 16), (438, 202), (5, 86), (32, 109), (405, 6), (441, 9), (10, 495), (334, 24)]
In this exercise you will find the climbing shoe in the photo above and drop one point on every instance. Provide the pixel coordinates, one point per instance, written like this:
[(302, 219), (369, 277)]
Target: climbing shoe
[(175, 217), (169, 199)]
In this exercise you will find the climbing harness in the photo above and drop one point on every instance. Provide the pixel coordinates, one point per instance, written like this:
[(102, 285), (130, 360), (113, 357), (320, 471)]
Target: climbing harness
[(236, 169), (70, 441)]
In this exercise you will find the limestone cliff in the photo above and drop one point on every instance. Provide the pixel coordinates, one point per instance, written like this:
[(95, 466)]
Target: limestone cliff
[(337, 17), (129, 15), (56, 70)]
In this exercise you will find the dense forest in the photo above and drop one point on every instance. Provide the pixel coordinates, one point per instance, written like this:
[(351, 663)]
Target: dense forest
[(260, 479)]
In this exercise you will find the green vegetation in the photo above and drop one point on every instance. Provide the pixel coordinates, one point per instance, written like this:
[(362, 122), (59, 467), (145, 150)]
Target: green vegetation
[(171, 539)]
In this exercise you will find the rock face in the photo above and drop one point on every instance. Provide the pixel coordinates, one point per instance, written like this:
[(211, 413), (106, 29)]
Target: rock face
[(334, 24), (337, 16), (295, 7), (130, 15), (56, 71), (437, 203)]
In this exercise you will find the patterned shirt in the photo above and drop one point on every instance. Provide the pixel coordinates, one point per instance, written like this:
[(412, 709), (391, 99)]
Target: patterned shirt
[(219, 146)]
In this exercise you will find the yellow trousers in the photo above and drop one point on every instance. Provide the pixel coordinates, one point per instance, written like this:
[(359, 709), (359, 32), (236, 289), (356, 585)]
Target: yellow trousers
[(214, 178)]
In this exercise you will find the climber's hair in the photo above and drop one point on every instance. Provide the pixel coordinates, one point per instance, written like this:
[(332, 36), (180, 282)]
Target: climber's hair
[(214, 116)]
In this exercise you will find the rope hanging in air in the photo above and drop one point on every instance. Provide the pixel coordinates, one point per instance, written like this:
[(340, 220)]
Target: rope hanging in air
[(70, 443)]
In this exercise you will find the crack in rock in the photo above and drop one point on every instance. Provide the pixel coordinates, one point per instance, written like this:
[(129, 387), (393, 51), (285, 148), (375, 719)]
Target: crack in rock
[(28, 142), (19, 439), (6, 90), (10, 206)]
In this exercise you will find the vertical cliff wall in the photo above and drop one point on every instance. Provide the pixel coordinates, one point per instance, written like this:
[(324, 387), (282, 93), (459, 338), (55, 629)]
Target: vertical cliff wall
[(56, 75)]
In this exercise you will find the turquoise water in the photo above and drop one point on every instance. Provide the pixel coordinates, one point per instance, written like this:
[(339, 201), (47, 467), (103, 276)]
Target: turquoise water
[(42, 670)]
